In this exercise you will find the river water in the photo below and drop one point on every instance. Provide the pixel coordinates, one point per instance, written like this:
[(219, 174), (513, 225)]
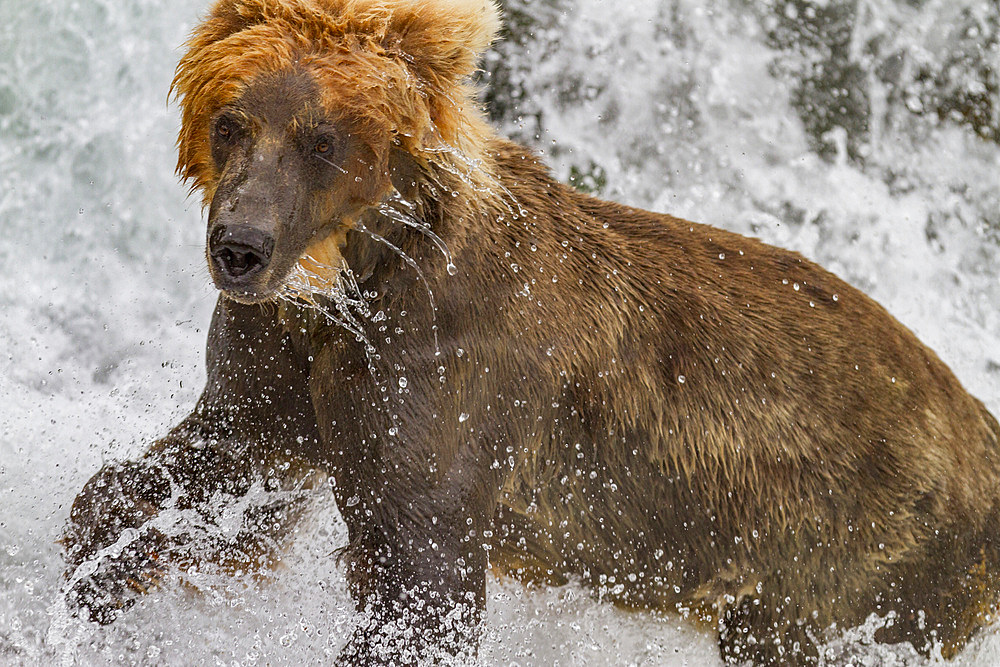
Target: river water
[(707, 110)]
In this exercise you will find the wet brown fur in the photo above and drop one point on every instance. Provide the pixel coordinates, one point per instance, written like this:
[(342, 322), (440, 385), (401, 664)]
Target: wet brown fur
[(679, 416)]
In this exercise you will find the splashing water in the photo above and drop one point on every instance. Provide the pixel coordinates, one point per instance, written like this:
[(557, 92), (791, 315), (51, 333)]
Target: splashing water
[(321, 286), (682, 106)]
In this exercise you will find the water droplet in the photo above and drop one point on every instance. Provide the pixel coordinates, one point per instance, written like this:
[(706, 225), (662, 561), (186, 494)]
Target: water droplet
[(402, 382), (393, 431), (452, 269), (463, 417), (352, 501), (795, 287), (722, 255), (681, 379)]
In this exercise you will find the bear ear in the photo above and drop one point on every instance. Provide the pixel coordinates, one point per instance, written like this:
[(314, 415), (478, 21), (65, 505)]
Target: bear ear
[(442, 39)]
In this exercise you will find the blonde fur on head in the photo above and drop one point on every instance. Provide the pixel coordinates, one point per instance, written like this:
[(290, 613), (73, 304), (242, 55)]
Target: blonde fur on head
[(400, 65)]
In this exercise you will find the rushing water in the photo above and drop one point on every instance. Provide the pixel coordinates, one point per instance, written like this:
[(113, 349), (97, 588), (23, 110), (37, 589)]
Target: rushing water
[(695, 108)]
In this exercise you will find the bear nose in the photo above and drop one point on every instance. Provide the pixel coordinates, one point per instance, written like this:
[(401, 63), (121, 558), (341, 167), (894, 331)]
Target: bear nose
[(240, 251)]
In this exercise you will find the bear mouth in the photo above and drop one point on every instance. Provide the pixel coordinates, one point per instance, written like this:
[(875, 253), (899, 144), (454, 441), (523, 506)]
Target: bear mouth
[(248, 297), (301, 284), (251, 284)]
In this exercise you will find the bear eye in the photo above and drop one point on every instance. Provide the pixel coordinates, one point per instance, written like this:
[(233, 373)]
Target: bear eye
[(327, 148), (323, 146), (226, 128)]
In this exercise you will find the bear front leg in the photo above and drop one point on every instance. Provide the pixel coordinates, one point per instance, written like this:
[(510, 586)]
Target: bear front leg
[(755, 631), (117, 541), (105, 518), (418, 573), (253, 423)]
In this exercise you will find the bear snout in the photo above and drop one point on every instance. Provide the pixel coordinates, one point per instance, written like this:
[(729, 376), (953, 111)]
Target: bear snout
[(239, 253)]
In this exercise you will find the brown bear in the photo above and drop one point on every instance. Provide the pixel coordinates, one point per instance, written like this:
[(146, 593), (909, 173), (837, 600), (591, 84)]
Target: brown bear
[(500, 372)]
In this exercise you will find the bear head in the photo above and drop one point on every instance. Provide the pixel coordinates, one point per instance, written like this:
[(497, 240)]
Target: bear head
[(298, 115)]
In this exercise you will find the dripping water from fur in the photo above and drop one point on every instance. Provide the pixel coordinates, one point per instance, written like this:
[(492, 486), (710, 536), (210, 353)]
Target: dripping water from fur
[(473, 168), (409, 261), (333, 293), (311, 288), (398, 209)]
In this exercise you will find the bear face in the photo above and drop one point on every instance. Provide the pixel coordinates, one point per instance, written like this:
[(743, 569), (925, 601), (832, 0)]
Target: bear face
[(295, 116), (292, 177)]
